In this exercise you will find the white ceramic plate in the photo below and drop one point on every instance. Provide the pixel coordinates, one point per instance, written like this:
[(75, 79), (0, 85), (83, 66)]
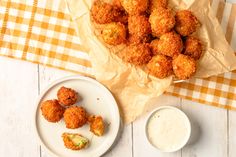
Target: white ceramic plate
[(96, 99)]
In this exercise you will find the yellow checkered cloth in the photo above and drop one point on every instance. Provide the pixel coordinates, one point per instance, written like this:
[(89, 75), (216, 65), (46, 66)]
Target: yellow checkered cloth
[(42, 31)]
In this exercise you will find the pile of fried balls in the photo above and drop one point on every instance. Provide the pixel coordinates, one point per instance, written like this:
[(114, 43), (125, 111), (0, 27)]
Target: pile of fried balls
[(157, 38)]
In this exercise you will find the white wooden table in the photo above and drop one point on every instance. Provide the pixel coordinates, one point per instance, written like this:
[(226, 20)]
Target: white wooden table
[(214, 129)]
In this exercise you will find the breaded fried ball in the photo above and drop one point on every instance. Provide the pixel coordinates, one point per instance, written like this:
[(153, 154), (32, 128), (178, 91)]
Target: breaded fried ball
[(114, 33), (155, 4), (133, 7), (154, 46), (160, 66), (193, 47), (137, 54), (97, 125), (117, 3), (103, 12), (162, 20), (186, 22), (170, 44), (67, 96), (138, 26), (75, 117), (184, 66), (75, 141), (52, 111)]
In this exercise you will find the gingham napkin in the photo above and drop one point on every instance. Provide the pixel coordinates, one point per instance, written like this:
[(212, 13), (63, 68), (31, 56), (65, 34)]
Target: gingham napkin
[(42, 31)]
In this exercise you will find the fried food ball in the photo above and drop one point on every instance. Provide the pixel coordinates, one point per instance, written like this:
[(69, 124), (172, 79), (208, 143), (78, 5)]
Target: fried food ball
[(75, 117), (170, 44), (138, 26), (137, 54), (160, 66), (184, 66), (52, 111), (75, 141), (97, 125), (186, 22), (114, 33), (103, 12), (135, 6), (193, 47), (155, 4), (67, 96), (154, 46), (162, 20), (117, 3)]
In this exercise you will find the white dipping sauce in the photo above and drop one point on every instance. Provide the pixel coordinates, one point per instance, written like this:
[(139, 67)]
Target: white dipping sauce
[(168, 129)]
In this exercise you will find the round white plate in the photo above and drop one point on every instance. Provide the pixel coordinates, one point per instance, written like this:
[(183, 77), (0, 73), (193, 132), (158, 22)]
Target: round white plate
[(97, 100)]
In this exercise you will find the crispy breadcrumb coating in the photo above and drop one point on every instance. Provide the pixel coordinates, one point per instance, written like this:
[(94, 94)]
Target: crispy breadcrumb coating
[(133, 7), (184, 66), (155, 4), (139, 27), (138, 54), (186, 22), (162, 20), (160, 66), (97, 125), (52, 111), (170, 44), (74, 141), (114, 33), (67, 96), (154, 46), (75, 117), (193, 47)]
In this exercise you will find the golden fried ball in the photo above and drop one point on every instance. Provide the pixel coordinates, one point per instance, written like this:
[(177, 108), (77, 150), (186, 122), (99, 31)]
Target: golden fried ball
[(186, 22), (137, 54), (154, 46), (162, 20), (155, 4), (114, 33), (160, 66), (193, 47), (184, 66), (75, 117), (52, 111), (97, 125), (67, 96), (74, 141), (103, 12), (170, 44), (138, 26), (135, 6)]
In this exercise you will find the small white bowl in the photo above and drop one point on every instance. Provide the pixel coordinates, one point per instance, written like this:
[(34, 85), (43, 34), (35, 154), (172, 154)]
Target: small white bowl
[(188, 127)]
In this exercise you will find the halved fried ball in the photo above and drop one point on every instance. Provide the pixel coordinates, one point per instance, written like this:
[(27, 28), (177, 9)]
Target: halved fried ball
[(103, 12), (97, 125), (154, 46), (75, 117), (67, 96), (155, 4), (170, 44), (138, 26), (184, 66), (114, 33), (74, 141), (162, 20), (52, 111), (193, 47), (135, 6), (160, 66), (137, 54), (186, 22)]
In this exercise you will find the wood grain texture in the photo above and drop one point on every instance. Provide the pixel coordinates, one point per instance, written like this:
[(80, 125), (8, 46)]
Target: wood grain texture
[(232, 133), (18, 83)]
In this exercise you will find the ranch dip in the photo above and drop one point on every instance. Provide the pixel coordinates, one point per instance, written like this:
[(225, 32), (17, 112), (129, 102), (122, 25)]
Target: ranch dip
[(168, 129)]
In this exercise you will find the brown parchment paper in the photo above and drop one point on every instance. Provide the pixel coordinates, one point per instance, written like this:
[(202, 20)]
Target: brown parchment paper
[(133, 89)]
